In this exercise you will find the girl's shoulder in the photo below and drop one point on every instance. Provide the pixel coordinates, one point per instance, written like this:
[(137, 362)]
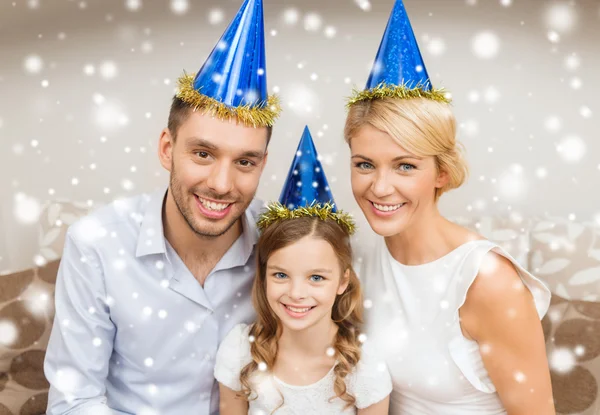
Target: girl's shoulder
[(370, 381), (233, 355)]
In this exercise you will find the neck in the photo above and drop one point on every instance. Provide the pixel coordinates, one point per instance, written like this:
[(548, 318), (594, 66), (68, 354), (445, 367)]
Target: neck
[(312, 341), (424, 240), (187, 243)]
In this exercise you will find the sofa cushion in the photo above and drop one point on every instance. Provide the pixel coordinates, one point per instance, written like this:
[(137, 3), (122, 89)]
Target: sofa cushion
[(572, 330), (55, 218), (566, 255), (26, 315)]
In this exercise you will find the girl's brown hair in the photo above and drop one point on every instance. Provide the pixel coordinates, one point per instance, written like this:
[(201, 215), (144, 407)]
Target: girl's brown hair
[(346, 312)]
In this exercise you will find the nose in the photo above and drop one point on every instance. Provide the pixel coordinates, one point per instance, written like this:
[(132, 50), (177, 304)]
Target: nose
[(381, 186), (220, 179), (297, 289)]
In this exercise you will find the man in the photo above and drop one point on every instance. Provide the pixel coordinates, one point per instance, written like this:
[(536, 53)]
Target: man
[(149, 286)]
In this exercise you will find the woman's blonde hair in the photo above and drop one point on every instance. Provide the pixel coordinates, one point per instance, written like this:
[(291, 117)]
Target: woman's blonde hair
[(346, 312), (421, 126)]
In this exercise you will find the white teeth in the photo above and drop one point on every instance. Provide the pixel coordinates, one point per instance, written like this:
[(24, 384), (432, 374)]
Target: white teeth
[(213, 206), (298, 310), (385, 208)]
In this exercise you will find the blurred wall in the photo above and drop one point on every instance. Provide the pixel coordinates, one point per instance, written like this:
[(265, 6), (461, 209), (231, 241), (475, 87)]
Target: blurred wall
[(85, 88)]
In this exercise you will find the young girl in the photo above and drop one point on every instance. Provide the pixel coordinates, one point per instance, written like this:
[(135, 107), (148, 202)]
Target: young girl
[(303, 354)]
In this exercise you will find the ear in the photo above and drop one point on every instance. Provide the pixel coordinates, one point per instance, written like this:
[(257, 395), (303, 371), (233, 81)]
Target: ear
[(344, 282), (165, 149), (442, 179)]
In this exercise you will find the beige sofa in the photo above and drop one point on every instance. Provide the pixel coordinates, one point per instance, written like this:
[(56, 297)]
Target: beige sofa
[(565, 254)]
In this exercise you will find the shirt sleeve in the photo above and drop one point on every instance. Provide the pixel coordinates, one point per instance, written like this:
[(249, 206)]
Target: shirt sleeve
[(82, 337), (233, 355), (370, 382)]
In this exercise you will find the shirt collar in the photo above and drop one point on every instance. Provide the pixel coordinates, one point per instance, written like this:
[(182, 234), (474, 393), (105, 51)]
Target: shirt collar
[(151, 239)]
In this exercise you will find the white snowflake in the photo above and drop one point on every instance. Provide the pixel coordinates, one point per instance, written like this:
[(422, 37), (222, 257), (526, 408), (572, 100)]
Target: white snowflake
[(33, 64), (561, 17), (541, 172), (147, 47), (572, 62), (110, 115), (312, 22), (108, 70), (491, 95), (216, 16), (575, 83), (127, 185), (562, 360), (26, 209), (330, 32), (511, 183), (585, 112), (572, 149), (291, 16), (68, 380), (520, 377), (485, 45), (553, 124), (37, 300), (180, 6), (553, 36), (364, 5), (471, 127), (436, 46), (8, 332), (133, 5), (473, 96)]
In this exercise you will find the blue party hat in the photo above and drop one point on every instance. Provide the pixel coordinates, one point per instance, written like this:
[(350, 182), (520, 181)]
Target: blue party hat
[(399, 70), (232, 83), (306, 192), (306, 182)]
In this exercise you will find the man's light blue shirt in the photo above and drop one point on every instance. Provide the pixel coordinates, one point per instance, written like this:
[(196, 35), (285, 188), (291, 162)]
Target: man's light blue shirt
[(134, 332)]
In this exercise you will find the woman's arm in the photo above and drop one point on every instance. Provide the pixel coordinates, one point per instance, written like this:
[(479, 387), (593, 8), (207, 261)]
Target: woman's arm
[(230, 403), (379, 408), (500, 314)]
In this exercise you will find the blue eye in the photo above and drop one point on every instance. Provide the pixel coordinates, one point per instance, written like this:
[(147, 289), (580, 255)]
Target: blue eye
[(363, 165), (406, 167), (279, 275), (316, 278)]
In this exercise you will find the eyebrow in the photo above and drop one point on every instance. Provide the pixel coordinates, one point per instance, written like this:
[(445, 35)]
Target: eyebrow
[(201, 142), (399, 158), (316, 270)]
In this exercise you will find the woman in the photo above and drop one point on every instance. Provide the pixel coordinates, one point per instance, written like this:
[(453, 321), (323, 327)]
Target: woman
[(456, 317)]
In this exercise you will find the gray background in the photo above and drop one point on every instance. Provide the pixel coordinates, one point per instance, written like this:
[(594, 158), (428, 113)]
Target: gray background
[(522, 74)]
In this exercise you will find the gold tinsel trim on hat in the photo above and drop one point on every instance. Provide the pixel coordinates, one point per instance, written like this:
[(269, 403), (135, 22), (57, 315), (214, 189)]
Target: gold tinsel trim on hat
[(246, 114), (277, 212), (403, 91)]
